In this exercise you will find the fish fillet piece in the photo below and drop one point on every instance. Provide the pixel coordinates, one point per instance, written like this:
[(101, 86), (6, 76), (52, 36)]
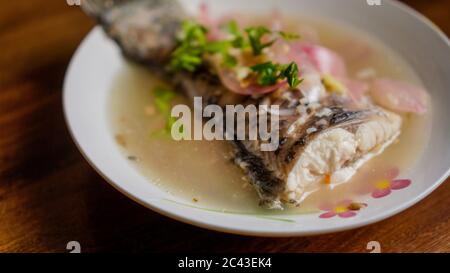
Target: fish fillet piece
[(322, 144), (325, 148)]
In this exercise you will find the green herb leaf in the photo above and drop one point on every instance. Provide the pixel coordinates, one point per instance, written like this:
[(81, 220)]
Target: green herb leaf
[(193, 44), (238, 40), (217, 46), (233, 28), (269, 73), (222, 47), (163, 99), (290, 72), (289, 36), (193, 33), (229, 60), (192, 40), (255, 35)]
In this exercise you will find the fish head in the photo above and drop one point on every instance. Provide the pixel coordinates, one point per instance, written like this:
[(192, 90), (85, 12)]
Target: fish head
[(145, 30)]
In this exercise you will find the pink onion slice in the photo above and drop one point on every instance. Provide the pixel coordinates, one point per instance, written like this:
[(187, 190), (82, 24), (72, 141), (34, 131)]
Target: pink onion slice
[(325, 60), (357, 89), (399, 96)]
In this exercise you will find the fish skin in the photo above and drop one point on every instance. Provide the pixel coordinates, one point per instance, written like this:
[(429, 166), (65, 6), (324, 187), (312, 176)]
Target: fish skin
[(145, 30), (151, 38)]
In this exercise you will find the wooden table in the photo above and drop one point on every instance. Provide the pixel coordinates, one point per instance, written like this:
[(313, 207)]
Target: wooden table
[(49, 195)]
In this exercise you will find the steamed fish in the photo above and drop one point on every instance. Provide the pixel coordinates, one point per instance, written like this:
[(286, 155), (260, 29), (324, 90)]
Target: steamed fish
[(325, 138)]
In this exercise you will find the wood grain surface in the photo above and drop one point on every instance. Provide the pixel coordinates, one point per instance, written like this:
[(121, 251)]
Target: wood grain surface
[(49, 195)]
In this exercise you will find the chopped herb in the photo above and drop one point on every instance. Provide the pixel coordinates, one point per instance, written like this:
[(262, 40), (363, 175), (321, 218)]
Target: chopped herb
[(185, 58), (132, 158), (238, 40), (289, 36), (193, 33), (163, 99), (255, 35), (229, 60), (222, 47), (290, 72), (163, 102), (233, 28), (188, 55), (269, 73), (216, 47), (193, 44)]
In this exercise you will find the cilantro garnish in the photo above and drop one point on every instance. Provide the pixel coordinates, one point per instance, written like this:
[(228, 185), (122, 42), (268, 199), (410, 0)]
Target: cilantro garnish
[(255, 35), (269, 73), (289, 36), (163, 99), (238, 40), (222, 47), (290, 72), (188, 54), (193, 44)]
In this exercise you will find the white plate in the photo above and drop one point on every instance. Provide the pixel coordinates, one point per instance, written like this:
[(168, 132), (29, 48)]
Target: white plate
[(97, 61)]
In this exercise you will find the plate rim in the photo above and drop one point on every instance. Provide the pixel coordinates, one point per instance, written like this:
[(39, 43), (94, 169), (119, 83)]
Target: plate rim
[(370, 219)]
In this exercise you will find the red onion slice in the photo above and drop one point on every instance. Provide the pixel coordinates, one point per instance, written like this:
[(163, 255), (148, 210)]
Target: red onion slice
[(399, 96)]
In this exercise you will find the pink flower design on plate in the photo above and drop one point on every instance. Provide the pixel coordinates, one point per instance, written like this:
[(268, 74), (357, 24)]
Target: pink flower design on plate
[(382, 183), (384, 187), (343, 209)]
